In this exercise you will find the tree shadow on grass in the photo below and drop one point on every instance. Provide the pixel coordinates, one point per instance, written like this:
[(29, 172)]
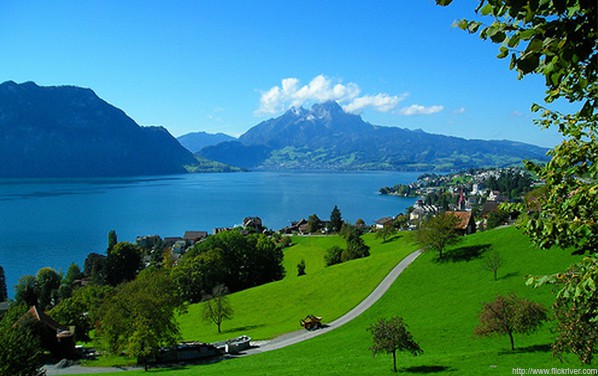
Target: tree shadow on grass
[(428, 369), (243, 328), (547, 347), (393, 238), (509, 275), (464, 253)]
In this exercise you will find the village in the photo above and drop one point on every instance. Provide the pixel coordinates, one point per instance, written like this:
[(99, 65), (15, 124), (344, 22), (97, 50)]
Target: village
[(472, 196)]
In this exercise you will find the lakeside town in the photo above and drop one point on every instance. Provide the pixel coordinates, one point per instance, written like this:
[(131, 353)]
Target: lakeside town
[(473, 196)]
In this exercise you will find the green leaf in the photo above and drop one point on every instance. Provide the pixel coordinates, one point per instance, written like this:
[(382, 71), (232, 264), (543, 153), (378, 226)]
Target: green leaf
[(528, 63), (486, 9), (461, 24), (498, 37), (513, 41), (504, 52)]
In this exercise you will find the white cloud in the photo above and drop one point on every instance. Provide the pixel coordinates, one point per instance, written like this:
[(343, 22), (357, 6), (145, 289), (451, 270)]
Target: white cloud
[(380, 102), (459, 111), (321, 89), (416, 109)]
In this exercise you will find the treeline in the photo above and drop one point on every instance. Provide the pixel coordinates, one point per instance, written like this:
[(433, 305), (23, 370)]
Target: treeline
[(510, 183), (400, 190), (130, 297), (229, 258)]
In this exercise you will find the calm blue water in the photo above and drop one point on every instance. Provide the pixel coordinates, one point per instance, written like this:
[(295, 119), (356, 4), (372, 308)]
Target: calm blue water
[(56, 222)]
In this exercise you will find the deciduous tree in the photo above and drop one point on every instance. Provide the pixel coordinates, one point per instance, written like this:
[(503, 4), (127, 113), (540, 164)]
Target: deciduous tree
[(386, 232), (557, 40), (81, 309), (390, 336), (492, 262), (333, 255), (26, 291), (140, 317), (510, 314), (437, 233), (48, 283), (71, 279), (94, 268), (217, 308), (575, 309), (123, 263), (21, 351)]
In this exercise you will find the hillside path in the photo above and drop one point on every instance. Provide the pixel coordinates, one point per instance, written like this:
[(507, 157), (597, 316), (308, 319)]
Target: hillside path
[(303, 335), (285, 339)]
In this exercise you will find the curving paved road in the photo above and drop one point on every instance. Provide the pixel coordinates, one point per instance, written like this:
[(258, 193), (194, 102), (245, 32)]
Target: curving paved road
[(303, 335), (289, 338)]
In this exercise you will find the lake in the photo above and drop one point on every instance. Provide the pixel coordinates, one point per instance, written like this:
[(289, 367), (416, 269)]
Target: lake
[(57, 222)]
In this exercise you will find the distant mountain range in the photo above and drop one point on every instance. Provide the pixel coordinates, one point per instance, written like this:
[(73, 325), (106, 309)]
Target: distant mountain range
[(196, 141), (69, 131), (326, 137)]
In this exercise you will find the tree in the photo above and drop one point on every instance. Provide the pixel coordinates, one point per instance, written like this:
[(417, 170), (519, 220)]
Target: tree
[(240, 261), (314, 224), (94, 268), (336, 220), (333, 255), (356, 247), (301, 268), (497, 218), (21, 351), (492, 262), (112, 240), (81, 309), (122, 263), (438, 232), (510, 314), (195, 275), (26, 291), (48, 283), (386, 232), (390, 336), (217, 307), (575, 309), (141, 317), (3, 290), (69, 281), (557, 39)]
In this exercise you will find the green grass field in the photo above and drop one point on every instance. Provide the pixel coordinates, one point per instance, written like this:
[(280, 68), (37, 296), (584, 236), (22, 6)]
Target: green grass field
[(439, 301), (267, 311)]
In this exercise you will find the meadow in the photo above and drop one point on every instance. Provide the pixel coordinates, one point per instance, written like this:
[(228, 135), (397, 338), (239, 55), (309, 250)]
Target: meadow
[(440, 302)]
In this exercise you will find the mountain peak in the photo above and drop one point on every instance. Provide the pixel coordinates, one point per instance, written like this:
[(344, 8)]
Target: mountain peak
[(67, 131), (328, 106)]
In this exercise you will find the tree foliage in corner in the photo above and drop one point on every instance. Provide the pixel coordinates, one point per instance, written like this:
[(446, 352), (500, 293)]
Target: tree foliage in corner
[(390, 336), (21, 352), (558, 40)]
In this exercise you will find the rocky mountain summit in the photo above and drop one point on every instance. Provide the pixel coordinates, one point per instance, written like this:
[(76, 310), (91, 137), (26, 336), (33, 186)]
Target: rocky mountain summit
[(326, 137)]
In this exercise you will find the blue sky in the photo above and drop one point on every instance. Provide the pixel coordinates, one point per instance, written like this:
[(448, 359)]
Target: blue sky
[(224, 66)]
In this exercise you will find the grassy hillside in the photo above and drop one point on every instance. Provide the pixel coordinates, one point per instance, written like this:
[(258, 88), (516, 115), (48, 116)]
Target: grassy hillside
[(269, 310), (440, 302)]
